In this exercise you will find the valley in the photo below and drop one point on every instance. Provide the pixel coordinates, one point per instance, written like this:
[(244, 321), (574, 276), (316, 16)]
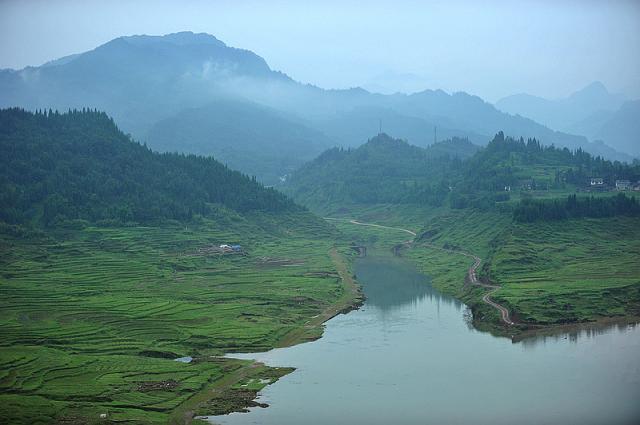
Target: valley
[(191, 235)]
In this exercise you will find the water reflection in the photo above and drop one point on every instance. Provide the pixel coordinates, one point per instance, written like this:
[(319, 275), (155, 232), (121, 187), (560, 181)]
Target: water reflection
[(574, 333), (408, 357), (390, 284)]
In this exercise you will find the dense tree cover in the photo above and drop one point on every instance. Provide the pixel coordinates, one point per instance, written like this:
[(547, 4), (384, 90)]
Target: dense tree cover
[(79, 165), (501, 164), (530, 210), (383, 170), (454, 173)]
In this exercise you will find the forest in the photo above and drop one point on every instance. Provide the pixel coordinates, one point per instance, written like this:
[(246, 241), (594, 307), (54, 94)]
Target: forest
[(383, 170), (497, 165), (530, 210), (57, 167)]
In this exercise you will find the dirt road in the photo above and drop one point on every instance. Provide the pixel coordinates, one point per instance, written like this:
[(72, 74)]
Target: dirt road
[(471, 273)]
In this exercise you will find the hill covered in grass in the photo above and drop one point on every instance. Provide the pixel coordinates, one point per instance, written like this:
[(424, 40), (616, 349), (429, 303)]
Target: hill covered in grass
[(79, 166), (111, 268), (561, 251)]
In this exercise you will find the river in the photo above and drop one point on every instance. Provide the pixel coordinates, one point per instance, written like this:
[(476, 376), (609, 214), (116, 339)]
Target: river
[(410, 357)]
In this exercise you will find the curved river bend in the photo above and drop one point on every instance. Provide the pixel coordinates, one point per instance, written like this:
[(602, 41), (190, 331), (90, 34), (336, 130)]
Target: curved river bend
[(409, 357)]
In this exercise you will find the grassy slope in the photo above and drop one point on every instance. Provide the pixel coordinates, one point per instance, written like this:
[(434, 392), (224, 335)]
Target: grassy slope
[(572, 271), (551, 273), (81, 309)]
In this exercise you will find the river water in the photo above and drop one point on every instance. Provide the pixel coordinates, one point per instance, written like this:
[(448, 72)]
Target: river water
[(410, 357)]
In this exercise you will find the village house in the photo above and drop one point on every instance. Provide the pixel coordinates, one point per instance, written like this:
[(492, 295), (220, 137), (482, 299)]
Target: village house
[(623, 185), (597, 184), (231, 248)]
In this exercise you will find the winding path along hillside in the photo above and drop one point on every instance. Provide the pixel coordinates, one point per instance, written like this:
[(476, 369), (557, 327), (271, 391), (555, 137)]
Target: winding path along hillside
[(471, 273)]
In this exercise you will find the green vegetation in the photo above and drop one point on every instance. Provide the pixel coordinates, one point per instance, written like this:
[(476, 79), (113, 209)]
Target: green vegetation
[(544, 228), (383, 170), (78, 165), (111, 267), (92, 316), (571, 271), (573, 207), (516, 163), (550, 273)]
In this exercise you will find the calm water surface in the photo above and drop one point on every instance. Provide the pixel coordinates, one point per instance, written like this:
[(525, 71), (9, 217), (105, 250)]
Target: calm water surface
[(409, 357)]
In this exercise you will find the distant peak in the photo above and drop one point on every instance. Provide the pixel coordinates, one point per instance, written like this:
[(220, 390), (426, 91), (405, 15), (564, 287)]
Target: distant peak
[(594, 89), (595, 86), (188, 37), (178, 38), (384, 138)]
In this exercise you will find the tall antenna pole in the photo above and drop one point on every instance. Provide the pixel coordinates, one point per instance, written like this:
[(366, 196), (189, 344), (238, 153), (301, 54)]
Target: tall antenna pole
[(380, 132), (435, 134)]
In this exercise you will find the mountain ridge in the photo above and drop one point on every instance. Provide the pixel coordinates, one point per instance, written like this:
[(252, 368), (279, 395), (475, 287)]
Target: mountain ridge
[(142, 80)]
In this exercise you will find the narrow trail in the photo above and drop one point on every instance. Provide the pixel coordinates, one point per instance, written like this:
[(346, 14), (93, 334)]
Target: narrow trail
[(471, 273)]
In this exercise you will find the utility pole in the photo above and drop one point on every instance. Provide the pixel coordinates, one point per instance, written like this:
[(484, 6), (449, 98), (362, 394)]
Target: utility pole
[(435, 134), (380, 127)]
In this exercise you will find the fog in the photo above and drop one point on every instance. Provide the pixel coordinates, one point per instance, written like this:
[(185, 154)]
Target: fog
[(491, 49)]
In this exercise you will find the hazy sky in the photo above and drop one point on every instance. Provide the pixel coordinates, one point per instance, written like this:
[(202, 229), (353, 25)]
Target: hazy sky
[(488, 48)]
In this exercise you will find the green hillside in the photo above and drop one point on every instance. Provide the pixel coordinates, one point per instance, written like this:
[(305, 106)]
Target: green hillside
[(248, 137), (561, 250), (383, 170), (78, 165), (97, 304)]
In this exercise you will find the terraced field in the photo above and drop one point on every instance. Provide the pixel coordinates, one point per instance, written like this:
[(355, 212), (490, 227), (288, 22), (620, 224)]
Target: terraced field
[(92, 318), (551, 273), (570, 271)]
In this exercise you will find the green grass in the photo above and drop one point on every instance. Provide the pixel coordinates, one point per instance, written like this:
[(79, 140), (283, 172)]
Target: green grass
[(88, 315), (550, 273), (570, 271), (471, 231)]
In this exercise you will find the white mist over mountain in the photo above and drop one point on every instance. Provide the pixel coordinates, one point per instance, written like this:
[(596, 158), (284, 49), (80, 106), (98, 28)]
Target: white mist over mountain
[(492, 49)]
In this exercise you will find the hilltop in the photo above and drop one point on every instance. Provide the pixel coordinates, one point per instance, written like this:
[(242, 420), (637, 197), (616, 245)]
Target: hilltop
[(592, 112), (383, 170), (156, 84)]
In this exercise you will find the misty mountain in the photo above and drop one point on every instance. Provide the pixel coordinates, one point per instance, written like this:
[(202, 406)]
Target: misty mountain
[(246, 136), (153, 86), (562, 114), (592, 112), (138, 79), (350, 127), (470, 113), (621, 129)]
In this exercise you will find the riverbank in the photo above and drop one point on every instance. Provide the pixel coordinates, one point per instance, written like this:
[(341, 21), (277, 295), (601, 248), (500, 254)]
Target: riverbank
[(404, 358), (438, 251), (238, 391), (114, 306)]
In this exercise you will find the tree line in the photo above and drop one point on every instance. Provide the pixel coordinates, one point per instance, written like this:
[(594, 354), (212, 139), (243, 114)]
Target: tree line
[(529, 210), (79, 165)]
